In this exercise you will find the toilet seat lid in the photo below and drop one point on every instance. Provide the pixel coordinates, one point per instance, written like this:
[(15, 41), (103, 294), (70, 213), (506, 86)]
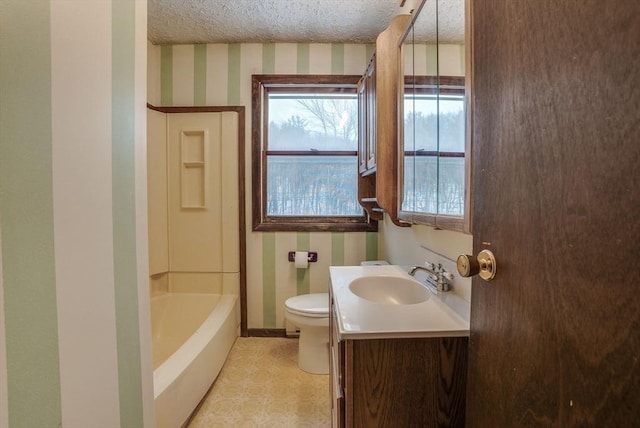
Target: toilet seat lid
[(311, 305)]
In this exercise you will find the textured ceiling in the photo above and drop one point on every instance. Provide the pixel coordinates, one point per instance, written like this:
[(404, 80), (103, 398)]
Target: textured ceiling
[(449, 24), (312, 21)]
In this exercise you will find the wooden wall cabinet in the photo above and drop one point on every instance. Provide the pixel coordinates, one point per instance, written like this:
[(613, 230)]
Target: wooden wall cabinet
[(397, 382), (367, 143), (367, 117), (378, 146)]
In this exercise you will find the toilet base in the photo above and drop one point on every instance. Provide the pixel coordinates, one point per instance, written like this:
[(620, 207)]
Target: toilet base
[(313, 350)]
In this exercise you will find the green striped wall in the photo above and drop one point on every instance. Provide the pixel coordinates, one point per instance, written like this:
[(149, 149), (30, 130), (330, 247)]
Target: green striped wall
[(166, 76), (268, 278), (271, 279), (26, 216), (43, 367), (124, 214), (200, 74), (233, 75), (302, 275)]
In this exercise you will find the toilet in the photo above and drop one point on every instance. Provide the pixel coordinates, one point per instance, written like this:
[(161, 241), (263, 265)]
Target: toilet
[(310, 313)]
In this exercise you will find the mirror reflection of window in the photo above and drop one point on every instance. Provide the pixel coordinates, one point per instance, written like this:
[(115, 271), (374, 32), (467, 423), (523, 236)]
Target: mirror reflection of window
[(434, 177)]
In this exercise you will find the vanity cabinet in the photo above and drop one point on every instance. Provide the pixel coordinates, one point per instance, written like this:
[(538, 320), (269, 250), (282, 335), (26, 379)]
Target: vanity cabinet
[(397, 382)]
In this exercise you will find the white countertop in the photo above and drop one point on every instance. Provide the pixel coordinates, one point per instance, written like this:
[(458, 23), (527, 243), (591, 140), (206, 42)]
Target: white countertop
[(442, 315)]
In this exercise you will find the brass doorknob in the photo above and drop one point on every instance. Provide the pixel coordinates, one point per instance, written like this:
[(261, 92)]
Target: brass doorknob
[(484, 265)]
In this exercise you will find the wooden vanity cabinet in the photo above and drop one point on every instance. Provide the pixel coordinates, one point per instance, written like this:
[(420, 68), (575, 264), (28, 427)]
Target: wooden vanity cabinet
[(413, 382)]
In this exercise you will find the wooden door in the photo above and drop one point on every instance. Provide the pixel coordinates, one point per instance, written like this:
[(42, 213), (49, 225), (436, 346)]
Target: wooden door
[(555, 337)]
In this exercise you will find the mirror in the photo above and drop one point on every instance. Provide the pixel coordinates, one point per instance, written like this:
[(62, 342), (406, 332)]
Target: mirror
[(434, 168)]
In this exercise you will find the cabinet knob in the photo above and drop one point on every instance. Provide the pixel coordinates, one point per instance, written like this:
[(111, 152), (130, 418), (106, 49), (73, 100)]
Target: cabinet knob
[(484, 265)]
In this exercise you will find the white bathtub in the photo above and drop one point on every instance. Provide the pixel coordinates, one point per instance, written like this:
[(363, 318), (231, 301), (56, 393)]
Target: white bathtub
[(192, 335)]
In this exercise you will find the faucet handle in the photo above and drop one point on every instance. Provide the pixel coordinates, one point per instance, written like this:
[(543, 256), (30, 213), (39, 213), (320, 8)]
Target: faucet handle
[(430, 265), (447, 275)]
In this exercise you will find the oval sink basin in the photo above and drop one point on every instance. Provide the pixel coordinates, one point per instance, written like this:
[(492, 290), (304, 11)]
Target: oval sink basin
[(392, 290)]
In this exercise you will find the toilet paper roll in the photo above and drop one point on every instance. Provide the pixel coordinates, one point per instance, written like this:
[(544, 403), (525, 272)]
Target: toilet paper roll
[(301, 259)]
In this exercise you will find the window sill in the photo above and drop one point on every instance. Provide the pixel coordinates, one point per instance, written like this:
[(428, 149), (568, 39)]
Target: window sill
[(315, 225)]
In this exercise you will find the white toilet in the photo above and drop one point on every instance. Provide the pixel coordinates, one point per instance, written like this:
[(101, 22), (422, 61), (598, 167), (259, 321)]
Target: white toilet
[(310, 313)]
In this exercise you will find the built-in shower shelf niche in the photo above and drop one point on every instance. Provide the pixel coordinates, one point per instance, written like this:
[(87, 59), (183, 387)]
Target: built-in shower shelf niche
[(193, 172)]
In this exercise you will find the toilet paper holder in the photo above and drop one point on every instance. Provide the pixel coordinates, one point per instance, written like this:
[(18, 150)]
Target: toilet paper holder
[(313, 256)]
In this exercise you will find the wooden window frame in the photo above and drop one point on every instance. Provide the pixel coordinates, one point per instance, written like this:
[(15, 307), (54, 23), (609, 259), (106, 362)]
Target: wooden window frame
[(262, 85)]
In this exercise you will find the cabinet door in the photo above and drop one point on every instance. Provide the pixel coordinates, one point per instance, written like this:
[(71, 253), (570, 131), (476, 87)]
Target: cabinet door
[(408, 382), (362, 125), (370, 94), (367, 120), (436, 161), (336, 373)]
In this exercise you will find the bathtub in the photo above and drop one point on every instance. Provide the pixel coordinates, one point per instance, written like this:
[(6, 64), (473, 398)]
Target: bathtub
[(192, 334)]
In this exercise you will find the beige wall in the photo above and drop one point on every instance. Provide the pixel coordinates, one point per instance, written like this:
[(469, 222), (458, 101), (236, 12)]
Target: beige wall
[(404, 245)]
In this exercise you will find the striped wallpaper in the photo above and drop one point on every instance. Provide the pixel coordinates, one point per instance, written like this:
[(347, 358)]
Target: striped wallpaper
[(74, 330), (220, 74)]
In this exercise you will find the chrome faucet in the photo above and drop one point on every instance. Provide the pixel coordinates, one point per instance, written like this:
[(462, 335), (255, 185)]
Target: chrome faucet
[(437, 276), (413, 270)]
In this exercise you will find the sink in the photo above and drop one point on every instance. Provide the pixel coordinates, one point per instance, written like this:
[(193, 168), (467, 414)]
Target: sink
[(393, 290)]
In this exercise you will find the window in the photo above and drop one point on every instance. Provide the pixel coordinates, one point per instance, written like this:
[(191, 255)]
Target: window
[(305, 139)]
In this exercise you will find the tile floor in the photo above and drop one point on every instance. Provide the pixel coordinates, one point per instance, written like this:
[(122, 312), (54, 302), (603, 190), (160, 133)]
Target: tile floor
[(261, 385)]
